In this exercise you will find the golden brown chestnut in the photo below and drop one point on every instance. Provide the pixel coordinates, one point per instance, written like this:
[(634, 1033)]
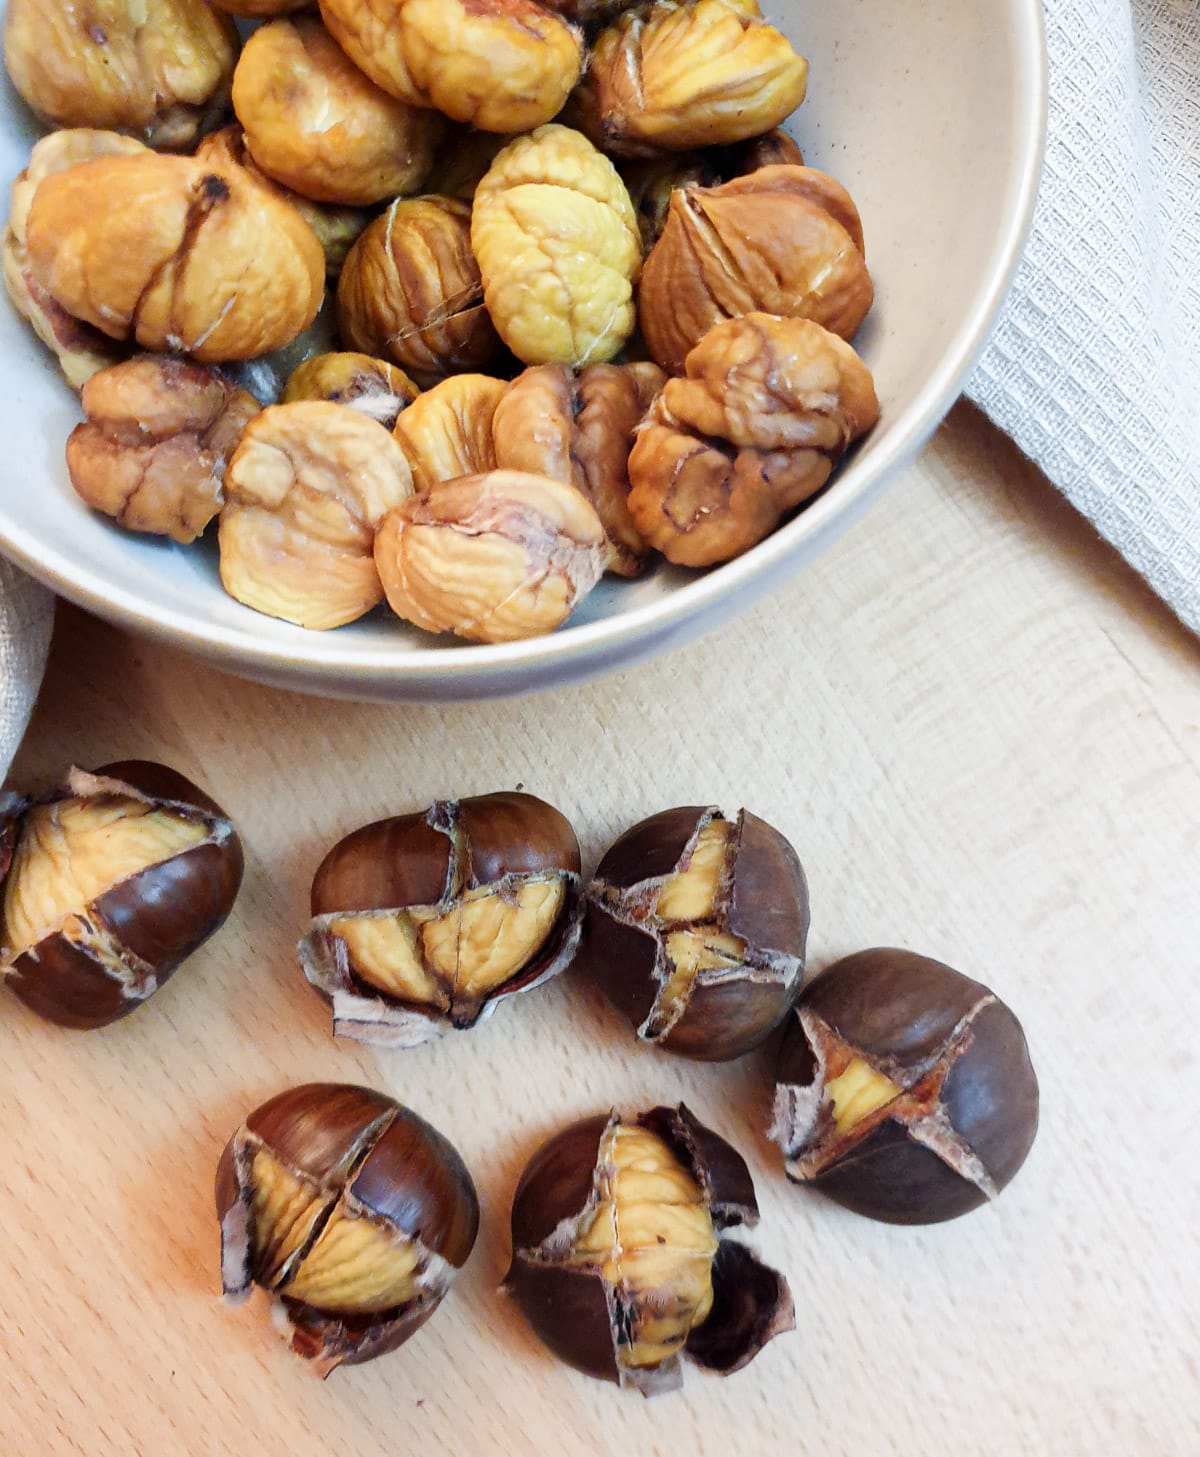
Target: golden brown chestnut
[(904, 1089), (766, 408), (410, 291), (108, 884), (314, 122), (493, 557), (558, 247), (304, 492), (620, 1263), (81, 349), (181, 255), (427, 921), (447, 432), (696, 929), (351, 1211), (335, 227), (780, 240), (502, 65), (377, 388), (667, 76), (153, 449), (578, 429), (159, 69)]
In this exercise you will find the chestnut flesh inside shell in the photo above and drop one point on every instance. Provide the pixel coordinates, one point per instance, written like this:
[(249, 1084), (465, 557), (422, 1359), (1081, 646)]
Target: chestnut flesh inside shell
[(109, 883), (351, 1211), (696, 929), (427, 921), (904, 1089), (620, 1262)]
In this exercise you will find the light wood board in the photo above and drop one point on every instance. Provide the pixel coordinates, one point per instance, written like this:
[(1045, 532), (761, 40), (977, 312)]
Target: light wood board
[(983, 736)]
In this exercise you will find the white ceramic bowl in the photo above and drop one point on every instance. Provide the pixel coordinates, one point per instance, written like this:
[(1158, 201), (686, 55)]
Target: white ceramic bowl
[(933, 117)]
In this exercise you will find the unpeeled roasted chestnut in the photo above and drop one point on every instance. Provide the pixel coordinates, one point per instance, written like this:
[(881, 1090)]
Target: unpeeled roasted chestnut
[(904, 1089), (618, 1258), (351, 1211), (109, 883), (427, 921), (696, 929)]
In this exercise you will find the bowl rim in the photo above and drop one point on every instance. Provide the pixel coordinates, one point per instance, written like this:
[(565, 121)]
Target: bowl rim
[(590, 647)]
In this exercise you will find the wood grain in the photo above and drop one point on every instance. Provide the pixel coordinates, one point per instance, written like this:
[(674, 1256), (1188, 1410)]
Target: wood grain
[(983, 736)]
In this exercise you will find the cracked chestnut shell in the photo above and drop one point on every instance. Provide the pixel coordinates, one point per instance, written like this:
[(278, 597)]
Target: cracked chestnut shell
[(696, 929), (904, 1089), (109, 883), (427, 921), (351, 1211), (619, 1261)]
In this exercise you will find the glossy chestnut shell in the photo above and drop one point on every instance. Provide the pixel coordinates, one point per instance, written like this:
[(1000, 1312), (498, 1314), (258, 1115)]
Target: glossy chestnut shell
[(943, 1096), (107, 954)]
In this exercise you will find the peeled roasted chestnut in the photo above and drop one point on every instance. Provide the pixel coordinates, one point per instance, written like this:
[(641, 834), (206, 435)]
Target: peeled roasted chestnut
[(696, 929), (351, 1211), (427, 921), (109, 883), (373, 386), (904, 1089), (491, 558), (618, 1258)]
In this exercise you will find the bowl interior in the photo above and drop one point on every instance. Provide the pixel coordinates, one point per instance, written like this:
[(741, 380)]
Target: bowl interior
[(930, 115)]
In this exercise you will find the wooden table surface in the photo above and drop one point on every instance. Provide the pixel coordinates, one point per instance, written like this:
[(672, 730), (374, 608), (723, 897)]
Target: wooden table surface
[(982, 734)]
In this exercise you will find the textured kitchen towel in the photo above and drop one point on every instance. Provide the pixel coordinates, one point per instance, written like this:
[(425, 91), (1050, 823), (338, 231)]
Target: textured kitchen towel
[(26, 616), (1095, 367)]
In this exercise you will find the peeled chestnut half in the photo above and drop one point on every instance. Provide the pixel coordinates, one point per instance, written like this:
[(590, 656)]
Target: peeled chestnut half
[(904, 1089), (620, 1262), (351, 1211), (109, 883), (426, 921), (696, 929)]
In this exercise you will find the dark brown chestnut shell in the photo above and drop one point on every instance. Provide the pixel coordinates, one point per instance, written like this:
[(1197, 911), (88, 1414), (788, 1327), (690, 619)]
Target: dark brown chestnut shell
[(399, 1170), (763, 900), (429, 859), (148, 923), (968, 1111), (578, 1316)]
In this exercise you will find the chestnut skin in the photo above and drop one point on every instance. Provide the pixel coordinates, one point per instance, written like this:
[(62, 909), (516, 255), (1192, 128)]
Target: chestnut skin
[(578, 1315), (762, 900), (401, 1174), (430, 863), (152, 920), (965, 1110)]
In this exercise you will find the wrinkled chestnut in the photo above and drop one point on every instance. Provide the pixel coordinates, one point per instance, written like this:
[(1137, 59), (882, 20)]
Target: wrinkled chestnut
[(618, 1258), (426, 921), (352, 1212), (696, 929), (905, 1090), (109, 883)]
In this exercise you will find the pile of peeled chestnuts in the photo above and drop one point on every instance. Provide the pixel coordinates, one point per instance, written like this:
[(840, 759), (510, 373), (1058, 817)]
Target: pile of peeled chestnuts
[(492, 298), (904, 1089)]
